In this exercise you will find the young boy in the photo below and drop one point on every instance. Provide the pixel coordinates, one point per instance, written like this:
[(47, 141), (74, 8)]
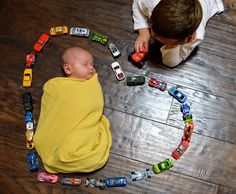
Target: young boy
[(72, 133), (178, 24)]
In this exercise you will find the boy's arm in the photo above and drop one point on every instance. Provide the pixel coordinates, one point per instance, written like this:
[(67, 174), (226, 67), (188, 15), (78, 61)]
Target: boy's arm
[(141, 24), (139, 17), (174, 55)]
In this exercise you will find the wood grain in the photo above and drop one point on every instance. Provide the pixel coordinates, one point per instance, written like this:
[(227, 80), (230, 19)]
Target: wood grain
[(152, 142), (146, 124)]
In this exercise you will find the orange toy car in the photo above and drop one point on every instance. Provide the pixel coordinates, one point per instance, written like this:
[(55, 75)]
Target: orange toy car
[(188, 130), (41, 42), (179, 151), (138, 58)]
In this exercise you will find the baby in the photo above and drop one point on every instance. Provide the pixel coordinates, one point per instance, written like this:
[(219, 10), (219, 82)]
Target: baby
[(72, 133), (178, 24)]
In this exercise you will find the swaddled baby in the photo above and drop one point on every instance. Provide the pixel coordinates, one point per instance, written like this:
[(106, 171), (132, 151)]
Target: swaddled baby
[(73, 134)]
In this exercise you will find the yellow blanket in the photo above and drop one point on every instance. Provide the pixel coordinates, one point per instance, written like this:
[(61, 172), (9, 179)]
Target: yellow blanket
[(72, 133)]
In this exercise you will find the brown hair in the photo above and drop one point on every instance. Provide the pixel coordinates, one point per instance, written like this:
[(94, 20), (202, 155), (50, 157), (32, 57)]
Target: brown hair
[(176, 19)]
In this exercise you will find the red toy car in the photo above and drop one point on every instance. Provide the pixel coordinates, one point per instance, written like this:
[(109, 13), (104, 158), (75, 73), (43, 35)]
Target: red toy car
[(41, 42), (178, 152), (157, 84), (138, 58), (30, 59), (188, 130)]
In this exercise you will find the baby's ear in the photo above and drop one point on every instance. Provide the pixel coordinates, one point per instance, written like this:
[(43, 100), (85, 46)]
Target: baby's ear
[(67, 69)]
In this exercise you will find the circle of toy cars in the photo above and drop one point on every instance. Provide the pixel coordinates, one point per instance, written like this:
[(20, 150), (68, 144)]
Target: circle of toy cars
[(138, 59)]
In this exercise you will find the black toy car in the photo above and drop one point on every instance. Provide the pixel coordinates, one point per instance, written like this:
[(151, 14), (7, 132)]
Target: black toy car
[(135, 80), (27, 102)]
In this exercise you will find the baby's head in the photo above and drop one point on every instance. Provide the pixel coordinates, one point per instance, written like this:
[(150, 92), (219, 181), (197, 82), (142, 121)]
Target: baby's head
[(78, 63), (175, 21)]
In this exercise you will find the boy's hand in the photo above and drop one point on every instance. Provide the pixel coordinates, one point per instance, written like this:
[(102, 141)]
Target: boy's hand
[(142, 42)]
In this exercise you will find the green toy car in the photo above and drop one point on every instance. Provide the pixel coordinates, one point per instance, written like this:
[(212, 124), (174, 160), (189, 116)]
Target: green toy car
[(99, 38), (162, 166), (135, 80)]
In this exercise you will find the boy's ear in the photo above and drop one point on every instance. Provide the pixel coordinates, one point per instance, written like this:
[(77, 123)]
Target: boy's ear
[(190, 38), (67, 69)]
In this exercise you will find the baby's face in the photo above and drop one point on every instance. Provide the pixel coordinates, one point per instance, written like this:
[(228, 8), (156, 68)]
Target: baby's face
[(82, 66)]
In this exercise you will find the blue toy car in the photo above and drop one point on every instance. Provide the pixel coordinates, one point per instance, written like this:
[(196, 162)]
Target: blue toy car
[(28, 116), (177, 94), (185, 108), (116, 182), (33, 162)]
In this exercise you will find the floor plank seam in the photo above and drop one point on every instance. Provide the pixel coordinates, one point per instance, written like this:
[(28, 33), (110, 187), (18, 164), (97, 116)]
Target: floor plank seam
[(178, 128), (176, 172)]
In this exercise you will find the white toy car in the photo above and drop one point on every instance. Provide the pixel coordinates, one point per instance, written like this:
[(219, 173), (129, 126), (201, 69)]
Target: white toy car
[(114, 50), (95, 183), (75, 31), (118, 71), (29, 125), (138, 175)]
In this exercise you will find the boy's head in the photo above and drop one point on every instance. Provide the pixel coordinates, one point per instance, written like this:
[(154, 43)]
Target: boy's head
[(78, 63), (174, 21)]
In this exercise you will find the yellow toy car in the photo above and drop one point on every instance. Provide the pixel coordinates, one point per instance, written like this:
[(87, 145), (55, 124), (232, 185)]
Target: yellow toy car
[(59, 30), (27, 78)]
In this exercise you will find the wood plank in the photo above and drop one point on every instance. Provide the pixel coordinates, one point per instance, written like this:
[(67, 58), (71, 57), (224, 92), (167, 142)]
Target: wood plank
[(133, 100), (152, 142), (226, 190), (208, 77), (213, 116), (18, 178)]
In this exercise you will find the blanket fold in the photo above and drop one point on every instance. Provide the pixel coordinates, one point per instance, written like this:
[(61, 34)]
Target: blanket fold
[(72, 133)]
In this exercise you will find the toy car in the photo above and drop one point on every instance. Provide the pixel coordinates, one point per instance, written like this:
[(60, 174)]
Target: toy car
[(138, 58), (162, 166), (95, 183), (188, 130), (41, 42), (45, 177), (178, 152), (33, 162), (100, 38), (58, 30), (177, 94), (30, 60), (27, 101), (27, 77), (114, 50), (185, 108), (28, 117), (135, 80), (29, 139), (71, 181), (138, 175), (116, 182), (157, 84), (118, 71), (75, 31), (29, 125), (188, 117)]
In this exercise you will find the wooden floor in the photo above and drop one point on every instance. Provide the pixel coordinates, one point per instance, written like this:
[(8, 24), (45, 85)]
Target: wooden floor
[(146, 124)]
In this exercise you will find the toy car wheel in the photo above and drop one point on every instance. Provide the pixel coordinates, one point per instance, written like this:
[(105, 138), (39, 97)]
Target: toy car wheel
[(130, 56), (142, 63)]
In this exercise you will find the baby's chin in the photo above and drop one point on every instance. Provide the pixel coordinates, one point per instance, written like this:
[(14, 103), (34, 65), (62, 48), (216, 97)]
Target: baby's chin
[(91, 75)]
